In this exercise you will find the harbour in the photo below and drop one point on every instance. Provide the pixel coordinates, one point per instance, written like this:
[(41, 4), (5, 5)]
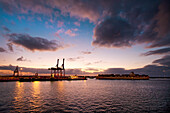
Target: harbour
[(57, 73), (90, 95)]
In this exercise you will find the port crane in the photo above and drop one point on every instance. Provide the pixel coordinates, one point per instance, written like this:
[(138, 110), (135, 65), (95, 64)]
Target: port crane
[(16, 71), (58, 71)]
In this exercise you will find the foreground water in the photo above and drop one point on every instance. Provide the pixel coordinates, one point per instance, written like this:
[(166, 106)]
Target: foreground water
[(86, 96)]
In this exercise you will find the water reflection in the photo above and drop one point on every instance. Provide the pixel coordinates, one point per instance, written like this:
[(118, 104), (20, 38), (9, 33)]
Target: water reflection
[(18, 96), (35, 100), (89, 96), (60, 86)]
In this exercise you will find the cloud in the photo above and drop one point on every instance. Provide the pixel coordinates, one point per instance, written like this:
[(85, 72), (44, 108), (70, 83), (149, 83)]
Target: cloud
[(10, 67), (57, 34), (75, 71), (75, 29), (81, 9), (40, 70), (33, 43), (25, 69), (114, 32), (97, 62), (25, 7), (77, 23), (10, 47), (115, 71), (157, 52), (2, 49), (70, 33), (165, 61), (92, 69), (60, 24), (89, 63), (86, 52), (22, 59), (74, 59), (6, 29), (133, 22), (151, 70)]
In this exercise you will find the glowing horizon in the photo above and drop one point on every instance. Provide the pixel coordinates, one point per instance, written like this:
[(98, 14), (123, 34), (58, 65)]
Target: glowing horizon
[(93, 39)]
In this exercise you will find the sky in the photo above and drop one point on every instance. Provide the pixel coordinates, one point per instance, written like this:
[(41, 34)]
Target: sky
[(94, 36)]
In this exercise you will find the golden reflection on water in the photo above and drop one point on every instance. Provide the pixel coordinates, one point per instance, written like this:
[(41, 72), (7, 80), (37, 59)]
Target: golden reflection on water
[(18, 91), (36, 89), (35, 101), (60, 86), (27, 96), (18, 96)]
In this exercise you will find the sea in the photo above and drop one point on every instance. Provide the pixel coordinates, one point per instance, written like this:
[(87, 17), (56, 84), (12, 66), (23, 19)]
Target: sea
[(119, 96)]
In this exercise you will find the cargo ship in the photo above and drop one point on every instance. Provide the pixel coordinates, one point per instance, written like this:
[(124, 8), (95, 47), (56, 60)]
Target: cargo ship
[(75, 77), (130, 76)]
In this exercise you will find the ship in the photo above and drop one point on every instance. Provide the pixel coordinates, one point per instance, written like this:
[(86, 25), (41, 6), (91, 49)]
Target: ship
[(75, 77), (130, 76)]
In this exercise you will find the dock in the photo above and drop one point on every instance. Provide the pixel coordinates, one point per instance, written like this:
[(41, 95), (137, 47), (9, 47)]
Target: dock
[(57, 73)]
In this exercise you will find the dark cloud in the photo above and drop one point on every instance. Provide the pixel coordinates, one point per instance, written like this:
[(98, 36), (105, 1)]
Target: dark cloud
[(157, 52), (89, 63), (10, 67), (6, 29), (22, 59), (92, 69), (2, 49), (86, 52), (89, 9), (75, 71), (121, 23), (115, 71), (74, 59), (114, 32), (131, 22), (165, 61), (25, 7), (78, 8), (25, 69), (165, 41), (10, 47), (33, 43), (40, 70), (151, 70), (97, 62)]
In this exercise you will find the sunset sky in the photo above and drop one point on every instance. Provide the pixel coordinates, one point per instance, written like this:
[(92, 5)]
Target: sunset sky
[(96, 36)]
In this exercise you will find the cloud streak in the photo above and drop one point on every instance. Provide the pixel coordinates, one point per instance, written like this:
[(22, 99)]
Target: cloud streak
[(2, 49), (10, 47), (157, 52), (22, 59), (86, 52), (6, 29), (33, 43), (74, 59), (165, 61), (151, 70), (70, 33)]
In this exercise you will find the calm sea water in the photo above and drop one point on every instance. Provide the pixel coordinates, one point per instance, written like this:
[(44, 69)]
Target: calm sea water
[(86, 96)]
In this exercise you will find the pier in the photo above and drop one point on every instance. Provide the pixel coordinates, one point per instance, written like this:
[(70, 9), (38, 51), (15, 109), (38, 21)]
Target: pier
[(57, 73)]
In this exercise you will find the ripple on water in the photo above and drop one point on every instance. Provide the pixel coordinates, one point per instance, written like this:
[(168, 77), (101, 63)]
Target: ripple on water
[(90, 96)]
